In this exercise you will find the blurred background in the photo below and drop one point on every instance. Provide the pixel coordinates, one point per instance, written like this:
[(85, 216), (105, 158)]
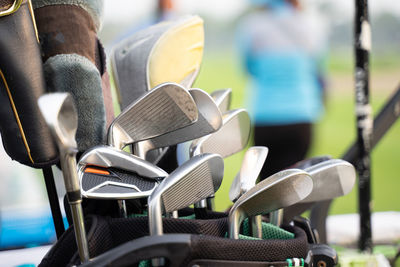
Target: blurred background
[(334, 132)]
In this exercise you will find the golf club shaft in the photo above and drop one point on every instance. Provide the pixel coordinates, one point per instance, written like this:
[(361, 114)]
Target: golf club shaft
[(80, 233), (68, 165)]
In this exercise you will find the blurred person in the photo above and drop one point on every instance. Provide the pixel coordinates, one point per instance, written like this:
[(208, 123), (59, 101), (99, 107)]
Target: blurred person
[(281, 48)]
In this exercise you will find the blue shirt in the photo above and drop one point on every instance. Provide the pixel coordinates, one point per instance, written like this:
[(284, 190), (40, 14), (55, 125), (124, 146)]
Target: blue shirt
[(279, 52)]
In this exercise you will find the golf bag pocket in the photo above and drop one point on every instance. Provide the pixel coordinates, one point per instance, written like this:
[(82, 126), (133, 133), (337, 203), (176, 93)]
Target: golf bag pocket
[(208, 241), (24, 132)]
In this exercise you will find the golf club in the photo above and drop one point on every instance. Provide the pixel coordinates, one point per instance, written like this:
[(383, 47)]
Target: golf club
[(252, 163), (60, 114), (166, 108), (196, 179), (280, 190), (209, 121), (223, 99)]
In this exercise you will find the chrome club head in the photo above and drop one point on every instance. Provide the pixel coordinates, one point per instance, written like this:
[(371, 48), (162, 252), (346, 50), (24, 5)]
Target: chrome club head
[(209, 121), (60, 114), (196, 179), (252, 163), (107, 173), (332, 178), (231, 138), (223, 99), (165, 108), (277, 191)]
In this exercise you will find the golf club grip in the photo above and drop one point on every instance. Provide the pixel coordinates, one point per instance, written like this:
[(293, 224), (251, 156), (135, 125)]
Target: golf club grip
[(26, 137), (382, 123)]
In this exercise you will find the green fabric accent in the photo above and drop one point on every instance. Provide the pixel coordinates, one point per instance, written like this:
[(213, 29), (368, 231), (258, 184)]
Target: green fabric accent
[(302, 262), (133, 215), (146, 263), (269, 231), (289, 261)]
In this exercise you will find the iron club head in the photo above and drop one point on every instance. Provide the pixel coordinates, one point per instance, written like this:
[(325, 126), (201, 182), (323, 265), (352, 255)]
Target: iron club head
[(332, 178), (222, 98), (209, 121), (231, 138), (280, 190), (252, 163), (165, 108), (196, 179)]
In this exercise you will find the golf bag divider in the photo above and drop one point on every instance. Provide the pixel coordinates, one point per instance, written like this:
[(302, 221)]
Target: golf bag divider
[(26, 137), (207, 241)]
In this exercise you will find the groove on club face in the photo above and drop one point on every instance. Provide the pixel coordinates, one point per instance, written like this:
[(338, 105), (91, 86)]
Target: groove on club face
[(60, 114), (332, 178), (209, 121), (196, 179), (280, 190), (165, 108), (252, 163), (222, 98), (231, 138)]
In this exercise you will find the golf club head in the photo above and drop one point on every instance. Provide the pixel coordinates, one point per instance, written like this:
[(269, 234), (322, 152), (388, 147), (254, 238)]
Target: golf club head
[(107, 173), (209, 121), (231, 138), (280, 190), (222, 98), (59, 112), (110, 157), (252, 163), (143, 60), (196, 179), (332, 178), (165, 108), (305, 163)]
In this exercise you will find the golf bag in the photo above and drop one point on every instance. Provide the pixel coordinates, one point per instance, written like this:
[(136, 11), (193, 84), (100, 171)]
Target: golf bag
[(25, 135), (125, 242)]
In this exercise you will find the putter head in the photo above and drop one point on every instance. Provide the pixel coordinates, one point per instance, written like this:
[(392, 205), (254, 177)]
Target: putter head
[(223, 99), (107, 173), (209, 121), (332, 178), (166, 108), (59, 112), (143, 60), (196, 179), (280, 190), (231, 138), (252, 163)]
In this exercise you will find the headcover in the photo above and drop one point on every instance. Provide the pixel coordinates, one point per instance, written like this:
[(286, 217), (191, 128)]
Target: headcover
[(74, 62), (24, 132)]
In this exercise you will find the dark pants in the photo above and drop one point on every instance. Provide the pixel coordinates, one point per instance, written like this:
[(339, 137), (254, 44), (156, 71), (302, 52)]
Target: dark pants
[(287, 145)]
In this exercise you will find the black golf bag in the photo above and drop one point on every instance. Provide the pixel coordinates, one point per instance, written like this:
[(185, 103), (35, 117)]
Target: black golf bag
[(188, 241)]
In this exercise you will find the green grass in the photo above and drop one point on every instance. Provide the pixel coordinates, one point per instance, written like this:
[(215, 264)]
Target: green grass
[(333, 134)]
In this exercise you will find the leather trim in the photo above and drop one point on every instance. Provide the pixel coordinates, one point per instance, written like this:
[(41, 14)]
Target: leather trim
[(33, 19), (16, 116)]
